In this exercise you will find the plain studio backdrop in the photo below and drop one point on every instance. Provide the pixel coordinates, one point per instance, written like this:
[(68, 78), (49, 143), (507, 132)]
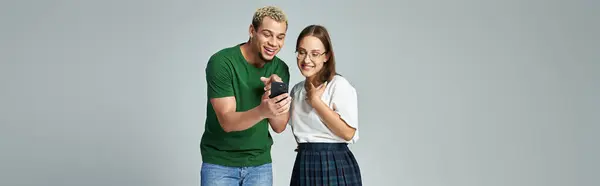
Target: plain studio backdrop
[(451, 93)]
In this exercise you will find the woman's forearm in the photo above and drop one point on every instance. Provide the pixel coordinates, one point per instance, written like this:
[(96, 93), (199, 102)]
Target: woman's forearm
[(333, 121)]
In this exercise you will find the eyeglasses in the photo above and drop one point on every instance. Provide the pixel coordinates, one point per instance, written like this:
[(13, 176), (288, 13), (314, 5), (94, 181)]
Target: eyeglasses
[(312, 56)]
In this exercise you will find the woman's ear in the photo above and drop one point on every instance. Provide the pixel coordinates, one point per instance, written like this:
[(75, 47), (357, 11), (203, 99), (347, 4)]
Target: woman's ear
[(327, 57)]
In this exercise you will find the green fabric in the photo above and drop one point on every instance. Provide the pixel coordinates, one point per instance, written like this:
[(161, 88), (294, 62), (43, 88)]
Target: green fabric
[(229, 74)]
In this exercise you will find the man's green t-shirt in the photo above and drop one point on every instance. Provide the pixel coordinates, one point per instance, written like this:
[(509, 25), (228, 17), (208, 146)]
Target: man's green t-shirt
[(229, 74)]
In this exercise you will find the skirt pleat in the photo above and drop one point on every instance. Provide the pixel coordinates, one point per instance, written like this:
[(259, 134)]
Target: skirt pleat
[(328, 164)]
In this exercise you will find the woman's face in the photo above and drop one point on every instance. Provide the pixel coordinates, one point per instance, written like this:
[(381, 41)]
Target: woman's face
[(311, 56)]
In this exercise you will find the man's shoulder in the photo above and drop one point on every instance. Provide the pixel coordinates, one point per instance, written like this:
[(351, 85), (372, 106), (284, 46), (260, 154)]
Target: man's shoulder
[(224, 58), (279, 62), (226, 53), (280, 67)]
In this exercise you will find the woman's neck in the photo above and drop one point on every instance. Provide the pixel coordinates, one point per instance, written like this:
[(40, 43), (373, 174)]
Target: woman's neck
[(313, 80)]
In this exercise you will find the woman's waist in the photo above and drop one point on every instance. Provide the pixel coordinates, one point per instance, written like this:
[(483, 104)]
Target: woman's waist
[(322, 146)]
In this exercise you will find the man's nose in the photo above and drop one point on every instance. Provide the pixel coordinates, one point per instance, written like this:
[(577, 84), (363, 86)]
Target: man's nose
[(271, 41)]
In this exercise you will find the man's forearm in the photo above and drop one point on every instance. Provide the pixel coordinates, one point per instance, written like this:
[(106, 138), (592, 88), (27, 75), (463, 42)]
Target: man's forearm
[(238, 121), (279, 123)]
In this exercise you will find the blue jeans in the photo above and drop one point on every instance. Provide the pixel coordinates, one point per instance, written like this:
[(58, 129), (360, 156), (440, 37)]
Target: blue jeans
[(218, 175)]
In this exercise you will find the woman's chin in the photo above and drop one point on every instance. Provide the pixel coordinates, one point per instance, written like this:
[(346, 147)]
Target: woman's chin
[(306, 74)]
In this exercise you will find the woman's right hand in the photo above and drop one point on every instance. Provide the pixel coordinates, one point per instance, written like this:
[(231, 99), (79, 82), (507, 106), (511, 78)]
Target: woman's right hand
[(314, 94)]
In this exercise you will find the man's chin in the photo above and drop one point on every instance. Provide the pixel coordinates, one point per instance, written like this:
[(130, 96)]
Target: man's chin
[(267, 58)]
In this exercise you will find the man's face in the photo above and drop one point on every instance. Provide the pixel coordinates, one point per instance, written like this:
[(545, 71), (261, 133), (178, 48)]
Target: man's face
[(268, 39)]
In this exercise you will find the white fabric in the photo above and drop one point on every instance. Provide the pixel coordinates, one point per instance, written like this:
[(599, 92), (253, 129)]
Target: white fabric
[(307, 126)]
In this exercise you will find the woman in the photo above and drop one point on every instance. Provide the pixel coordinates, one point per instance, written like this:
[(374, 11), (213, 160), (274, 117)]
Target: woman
[(324, 116)]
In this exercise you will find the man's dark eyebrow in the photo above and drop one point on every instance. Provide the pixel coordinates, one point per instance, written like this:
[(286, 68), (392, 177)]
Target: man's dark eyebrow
[(266, 30), (271, 32)]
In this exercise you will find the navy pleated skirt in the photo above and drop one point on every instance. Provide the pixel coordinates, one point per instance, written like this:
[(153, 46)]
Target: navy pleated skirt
[(325, 164)]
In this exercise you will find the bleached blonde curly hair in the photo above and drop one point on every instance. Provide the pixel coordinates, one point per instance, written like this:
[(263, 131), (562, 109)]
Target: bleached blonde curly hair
[(273, 12)]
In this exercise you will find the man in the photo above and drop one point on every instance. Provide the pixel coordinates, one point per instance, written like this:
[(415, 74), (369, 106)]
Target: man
[(236, 144)]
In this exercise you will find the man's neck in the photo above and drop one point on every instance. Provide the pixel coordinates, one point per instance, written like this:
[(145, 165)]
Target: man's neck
[(251, 56)]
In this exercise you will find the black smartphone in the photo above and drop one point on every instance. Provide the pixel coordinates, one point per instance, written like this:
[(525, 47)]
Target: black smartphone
[(278, 88)]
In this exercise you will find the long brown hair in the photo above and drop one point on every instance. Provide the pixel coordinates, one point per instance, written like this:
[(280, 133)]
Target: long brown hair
[(328, 71)]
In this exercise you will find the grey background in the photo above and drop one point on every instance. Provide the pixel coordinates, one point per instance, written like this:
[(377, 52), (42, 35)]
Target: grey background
[(451, 93)]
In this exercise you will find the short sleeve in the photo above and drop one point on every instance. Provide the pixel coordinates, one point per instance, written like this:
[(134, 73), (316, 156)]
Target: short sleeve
[(284, 73), (344, 101), (293, 91), (219, 78)]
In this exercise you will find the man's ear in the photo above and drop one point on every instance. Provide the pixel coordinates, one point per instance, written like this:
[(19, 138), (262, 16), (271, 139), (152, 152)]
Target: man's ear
[(251, 30)]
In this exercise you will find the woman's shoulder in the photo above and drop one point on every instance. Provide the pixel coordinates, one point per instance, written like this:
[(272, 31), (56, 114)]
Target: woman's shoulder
[(298, 86), (340, 81)]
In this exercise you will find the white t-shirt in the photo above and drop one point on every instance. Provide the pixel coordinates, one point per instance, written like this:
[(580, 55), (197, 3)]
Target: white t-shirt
[(306, 123)]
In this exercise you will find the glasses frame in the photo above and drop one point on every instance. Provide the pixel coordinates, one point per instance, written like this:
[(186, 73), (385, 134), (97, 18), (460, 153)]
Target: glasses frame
[(311, 57)]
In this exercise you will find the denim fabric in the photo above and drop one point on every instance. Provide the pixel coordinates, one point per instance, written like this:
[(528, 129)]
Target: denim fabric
[(218, 175)]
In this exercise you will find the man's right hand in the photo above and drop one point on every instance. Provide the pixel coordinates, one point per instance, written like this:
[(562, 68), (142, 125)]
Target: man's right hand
[(276, 106), (267, 81)]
